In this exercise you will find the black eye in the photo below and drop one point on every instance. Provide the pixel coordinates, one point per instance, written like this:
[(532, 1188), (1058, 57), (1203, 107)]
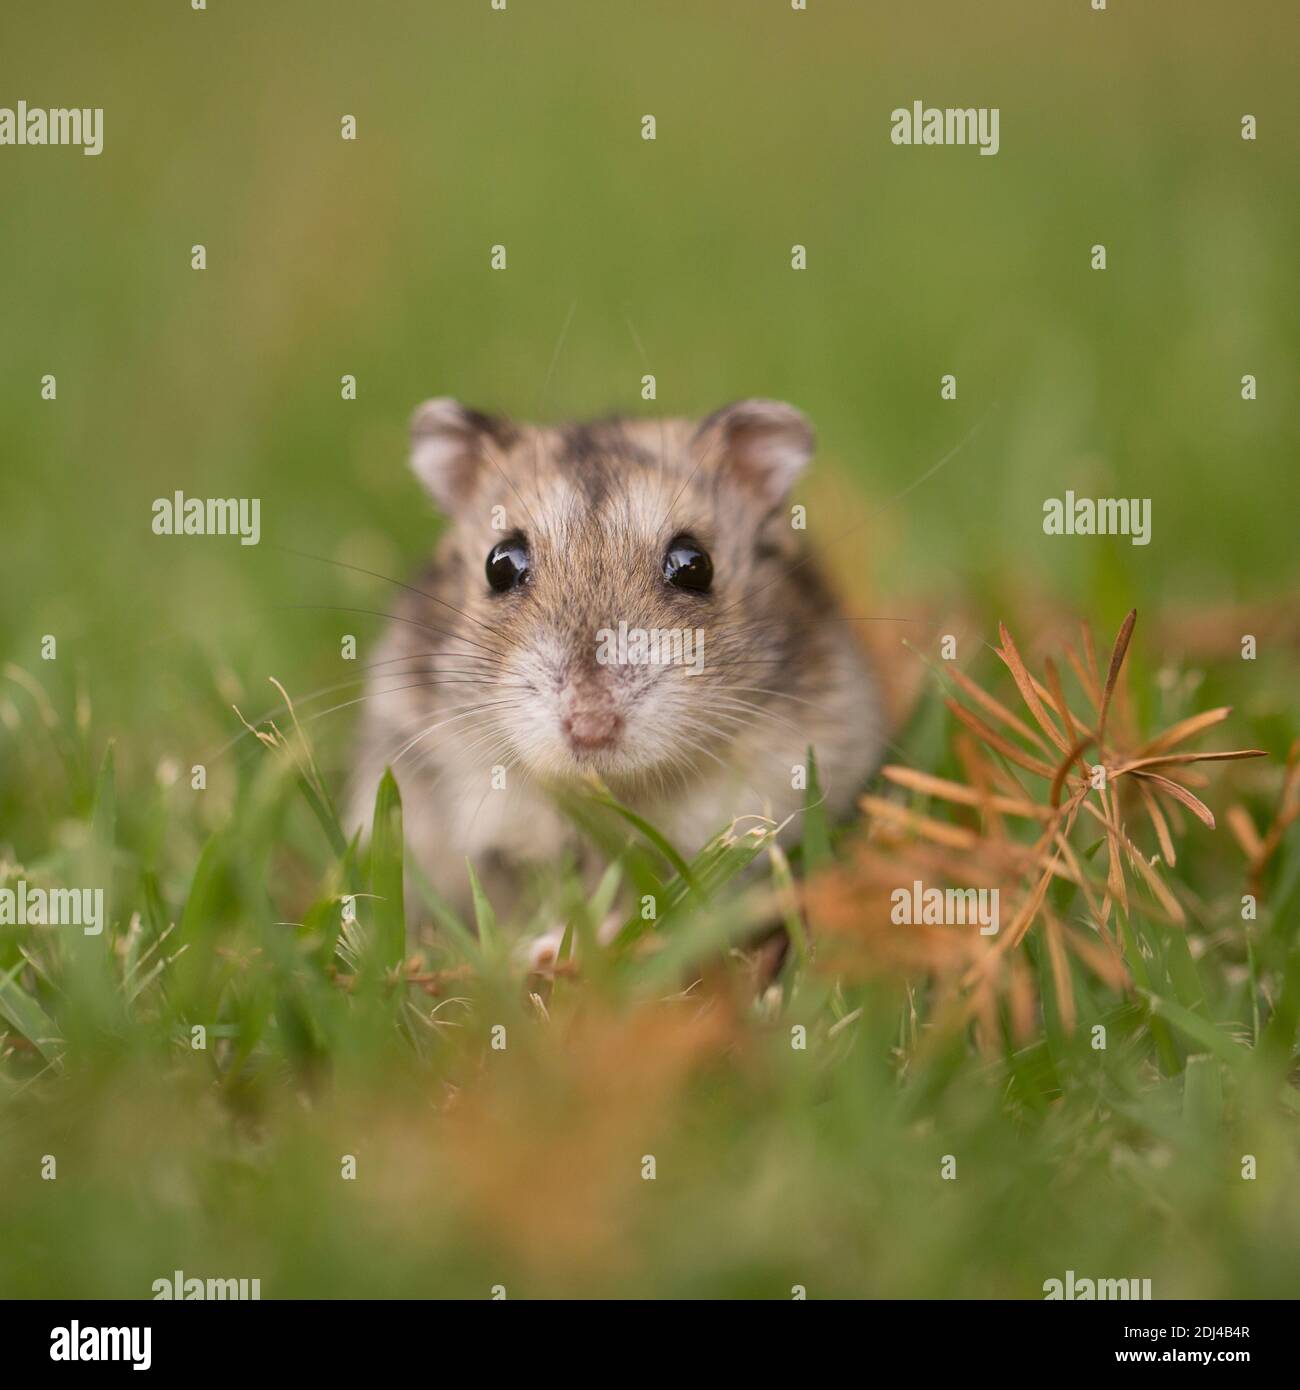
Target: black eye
[(687, 566), (507, 564)]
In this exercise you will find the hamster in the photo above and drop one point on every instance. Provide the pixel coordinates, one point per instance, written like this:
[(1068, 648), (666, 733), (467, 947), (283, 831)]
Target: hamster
[(625, 598)]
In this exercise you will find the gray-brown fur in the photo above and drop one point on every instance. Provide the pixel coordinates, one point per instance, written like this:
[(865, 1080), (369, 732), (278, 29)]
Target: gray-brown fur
[(517, 672)]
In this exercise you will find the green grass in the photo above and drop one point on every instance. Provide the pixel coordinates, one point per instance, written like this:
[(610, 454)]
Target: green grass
[(478, 1166), (521, 1165)]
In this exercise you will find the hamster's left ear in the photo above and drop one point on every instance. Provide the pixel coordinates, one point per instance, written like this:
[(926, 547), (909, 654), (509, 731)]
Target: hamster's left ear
[(762, 445), (450, 444)]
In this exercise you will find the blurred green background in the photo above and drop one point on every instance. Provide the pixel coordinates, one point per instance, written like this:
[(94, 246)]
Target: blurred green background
[(522, 127), (477, 127)]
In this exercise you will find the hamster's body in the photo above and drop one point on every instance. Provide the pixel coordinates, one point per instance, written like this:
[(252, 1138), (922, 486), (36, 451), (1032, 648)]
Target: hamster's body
[(502, 680)]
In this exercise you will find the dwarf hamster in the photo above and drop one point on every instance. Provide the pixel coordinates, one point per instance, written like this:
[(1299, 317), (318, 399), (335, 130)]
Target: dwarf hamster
[(627, 598)]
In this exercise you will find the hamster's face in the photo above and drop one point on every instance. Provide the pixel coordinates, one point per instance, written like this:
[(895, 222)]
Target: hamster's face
[(629, 591)]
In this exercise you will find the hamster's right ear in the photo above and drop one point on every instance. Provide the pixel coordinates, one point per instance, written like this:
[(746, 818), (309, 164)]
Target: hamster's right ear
[(450, 444)]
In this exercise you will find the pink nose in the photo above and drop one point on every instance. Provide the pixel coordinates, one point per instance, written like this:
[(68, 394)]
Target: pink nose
[(590, 727)]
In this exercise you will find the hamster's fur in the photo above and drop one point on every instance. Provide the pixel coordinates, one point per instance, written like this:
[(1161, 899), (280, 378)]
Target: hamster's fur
[(475, 688)]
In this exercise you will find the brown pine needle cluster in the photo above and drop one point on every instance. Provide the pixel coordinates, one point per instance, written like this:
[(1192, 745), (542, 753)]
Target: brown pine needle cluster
[(1260, 849), (1036, 793)]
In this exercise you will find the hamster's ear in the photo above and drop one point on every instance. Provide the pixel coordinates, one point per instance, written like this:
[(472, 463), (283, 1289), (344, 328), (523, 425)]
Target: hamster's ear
[(761, 445), (449, 449)]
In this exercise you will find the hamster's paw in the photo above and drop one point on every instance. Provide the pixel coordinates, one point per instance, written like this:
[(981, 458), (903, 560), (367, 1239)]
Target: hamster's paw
[(539, 955)]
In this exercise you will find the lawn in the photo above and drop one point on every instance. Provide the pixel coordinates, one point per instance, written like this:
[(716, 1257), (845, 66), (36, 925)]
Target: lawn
[(268, 1064)]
